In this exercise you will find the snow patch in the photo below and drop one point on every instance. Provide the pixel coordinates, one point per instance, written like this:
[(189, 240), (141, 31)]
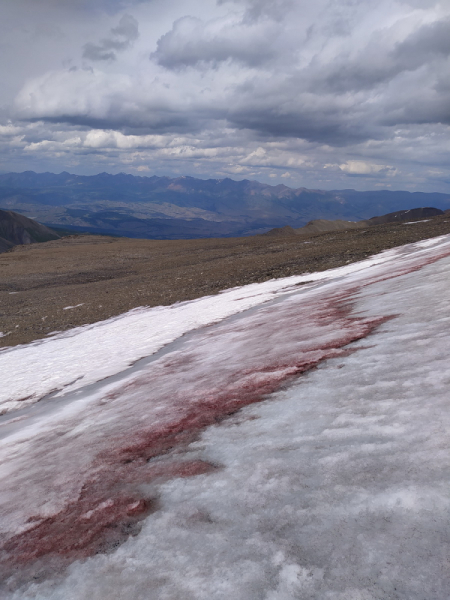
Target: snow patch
[(70, 307), (414, 222)]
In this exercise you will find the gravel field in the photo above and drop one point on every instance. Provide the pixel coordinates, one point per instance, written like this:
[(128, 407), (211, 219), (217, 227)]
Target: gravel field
[(79, 280)]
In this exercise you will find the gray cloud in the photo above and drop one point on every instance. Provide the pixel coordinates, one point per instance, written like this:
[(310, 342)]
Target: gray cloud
[(98, 52), (251, 88), (107, 6), (382, 59), (429, 41), (253, 77), (257, 9), (191, 42), (120, 39), (329, 129), (83, 6)]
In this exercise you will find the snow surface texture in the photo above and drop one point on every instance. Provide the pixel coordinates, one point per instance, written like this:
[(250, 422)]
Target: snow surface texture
[(97, 351), (333, 488)]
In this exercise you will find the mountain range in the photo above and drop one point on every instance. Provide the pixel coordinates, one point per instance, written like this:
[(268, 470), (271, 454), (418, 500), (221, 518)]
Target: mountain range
[(186, 207)]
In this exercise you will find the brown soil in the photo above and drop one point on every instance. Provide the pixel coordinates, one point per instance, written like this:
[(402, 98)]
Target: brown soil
[(109, 276)]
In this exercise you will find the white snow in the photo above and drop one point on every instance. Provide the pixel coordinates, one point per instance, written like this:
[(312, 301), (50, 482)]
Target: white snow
[(70, 307), (335, 488), (414, 222)]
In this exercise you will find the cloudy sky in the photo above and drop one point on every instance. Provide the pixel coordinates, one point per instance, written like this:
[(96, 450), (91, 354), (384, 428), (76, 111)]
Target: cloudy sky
[(316, 93)]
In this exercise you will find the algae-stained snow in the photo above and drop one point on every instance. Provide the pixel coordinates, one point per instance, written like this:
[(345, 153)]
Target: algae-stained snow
[(97, 351), (329, 480)]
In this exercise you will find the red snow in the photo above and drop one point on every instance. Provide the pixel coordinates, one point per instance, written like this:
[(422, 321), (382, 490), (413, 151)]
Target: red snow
[(165, 407), (104, 515)]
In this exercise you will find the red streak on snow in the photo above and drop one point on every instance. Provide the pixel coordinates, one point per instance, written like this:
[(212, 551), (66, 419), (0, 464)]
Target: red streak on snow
[(109, 505), (190, 392), (96, 522)]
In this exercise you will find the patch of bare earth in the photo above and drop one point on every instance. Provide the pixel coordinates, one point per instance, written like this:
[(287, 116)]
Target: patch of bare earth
[(78, 280)]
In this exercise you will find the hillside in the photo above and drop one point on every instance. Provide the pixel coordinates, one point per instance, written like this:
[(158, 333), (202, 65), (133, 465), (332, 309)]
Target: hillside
[(185, 207), (76, 280), (323, 225), (15, 229), (405, 215)]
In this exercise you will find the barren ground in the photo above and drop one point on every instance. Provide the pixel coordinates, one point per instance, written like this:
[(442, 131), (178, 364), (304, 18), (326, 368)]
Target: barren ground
[(78, 280)]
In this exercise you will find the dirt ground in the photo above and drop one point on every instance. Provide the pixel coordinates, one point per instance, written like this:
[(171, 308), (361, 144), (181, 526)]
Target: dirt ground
[(77, 280)]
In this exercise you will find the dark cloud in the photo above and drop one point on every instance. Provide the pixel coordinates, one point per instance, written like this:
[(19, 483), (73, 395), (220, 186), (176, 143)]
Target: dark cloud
[(307, 84), (307, 125), (258, 9), (109, 6), (381, 60), (429, 41), (120, 39), (127, 29), (193, 42), (98, 52), (163, 122), (423, 107), (54, 7)]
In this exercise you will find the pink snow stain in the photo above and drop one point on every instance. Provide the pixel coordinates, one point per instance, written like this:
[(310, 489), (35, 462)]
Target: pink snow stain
[(92, 523), (124, 436)]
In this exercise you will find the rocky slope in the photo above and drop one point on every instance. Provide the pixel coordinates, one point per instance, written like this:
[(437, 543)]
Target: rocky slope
[(323, 225), (15, 229), (77, 280)]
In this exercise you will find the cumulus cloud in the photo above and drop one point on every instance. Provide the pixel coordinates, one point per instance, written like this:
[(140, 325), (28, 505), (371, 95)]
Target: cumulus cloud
[(120, 39), (258, 88), (361, 167), (264, 75)]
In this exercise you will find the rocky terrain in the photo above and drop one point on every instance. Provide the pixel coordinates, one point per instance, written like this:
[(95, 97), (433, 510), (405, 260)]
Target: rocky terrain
[(65, 283), (16, 230), (323, 225)]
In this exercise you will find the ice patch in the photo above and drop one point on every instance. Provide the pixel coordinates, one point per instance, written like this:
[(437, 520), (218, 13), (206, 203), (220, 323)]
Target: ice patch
[(70, 307)]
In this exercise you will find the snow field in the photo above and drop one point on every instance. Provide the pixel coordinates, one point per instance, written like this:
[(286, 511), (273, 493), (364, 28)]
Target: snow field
[(335, 488), (96, 351)]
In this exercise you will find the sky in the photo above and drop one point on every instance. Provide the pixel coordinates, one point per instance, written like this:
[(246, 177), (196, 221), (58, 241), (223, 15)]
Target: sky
[(327, 94)]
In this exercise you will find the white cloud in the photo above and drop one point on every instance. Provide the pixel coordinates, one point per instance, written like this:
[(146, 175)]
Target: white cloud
[(361, 167), (357, 87)]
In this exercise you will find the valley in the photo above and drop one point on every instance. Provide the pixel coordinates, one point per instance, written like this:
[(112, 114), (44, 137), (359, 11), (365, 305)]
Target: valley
[(186, 207)]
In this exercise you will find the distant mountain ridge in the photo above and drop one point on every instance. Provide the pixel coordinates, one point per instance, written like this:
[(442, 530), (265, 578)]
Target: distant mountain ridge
[(15, 229), (186, 207), (324, 226), (406, 215)]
